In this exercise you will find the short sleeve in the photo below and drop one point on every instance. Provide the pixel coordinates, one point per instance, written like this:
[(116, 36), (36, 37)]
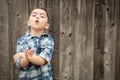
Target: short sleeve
[(48, 46)]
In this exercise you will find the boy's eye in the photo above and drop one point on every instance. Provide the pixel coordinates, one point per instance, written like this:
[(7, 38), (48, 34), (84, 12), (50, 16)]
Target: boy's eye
[(33, 15), (42, 16)]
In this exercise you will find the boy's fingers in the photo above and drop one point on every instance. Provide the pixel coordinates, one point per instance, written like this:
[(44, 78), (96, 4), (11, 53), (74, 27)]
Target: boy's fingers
[(31, 52), (26, 50), (15, 55), (26, 54)]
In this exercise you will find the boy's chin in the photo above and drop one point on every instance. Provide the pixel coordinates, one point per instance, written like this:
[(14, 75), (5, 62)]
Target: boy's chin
[(36, 28)]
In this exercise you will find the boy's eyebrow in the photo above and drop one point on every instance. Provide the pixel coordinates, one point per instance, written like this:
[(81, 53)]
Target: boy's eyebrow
[(40, 13), (43, 14)]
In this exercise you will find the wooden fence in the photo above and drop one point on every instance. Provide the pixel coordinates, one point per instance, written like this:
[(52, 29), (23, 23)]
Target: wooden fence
[(86, 33)]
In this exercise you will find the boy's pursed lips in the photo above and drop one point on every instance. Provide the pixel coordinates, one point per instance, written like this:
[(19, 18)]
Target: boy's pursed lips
[(37, 21)]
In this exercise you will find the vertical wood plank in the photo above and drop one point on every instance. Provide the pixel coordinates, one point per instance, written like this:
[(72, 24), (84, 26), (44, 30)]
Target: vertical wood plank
[(84, 39), (76, 56), (117, 62), (110, 40), (87, 39), (18, 16), (65, 40), (4, 41), (99, 41)]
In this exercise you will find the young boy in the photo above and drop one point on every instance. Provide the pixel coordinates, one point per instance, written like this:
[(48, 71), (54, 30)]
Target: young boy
[(34, 50)]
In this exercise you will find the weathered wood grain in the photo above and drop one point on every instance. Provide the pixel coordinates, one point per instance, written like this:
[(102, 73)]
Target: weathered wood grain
[(65, 39), (76, 55), (117, 57), (87, 39), (4, 41), (110, 40), (99, 40)]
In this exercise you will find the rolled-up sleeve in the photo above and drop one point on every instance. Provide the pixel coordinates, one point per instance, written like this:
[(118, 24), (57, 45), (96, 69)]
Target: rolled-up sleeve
[(48, 48)]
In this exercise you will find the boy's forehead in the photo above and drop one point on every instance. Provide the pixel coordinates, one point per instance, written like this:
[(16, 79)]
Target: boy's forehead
[(38, 11)]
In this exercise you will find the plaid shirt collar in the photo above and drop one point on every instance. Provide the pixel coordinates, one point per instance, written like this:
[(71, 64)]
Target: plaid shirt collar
[(27, 34)]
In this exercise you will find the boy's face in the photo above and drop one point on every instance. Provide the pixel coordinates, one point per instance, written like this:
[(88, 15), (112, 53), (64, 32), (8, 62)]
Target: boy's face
[(38, 20)]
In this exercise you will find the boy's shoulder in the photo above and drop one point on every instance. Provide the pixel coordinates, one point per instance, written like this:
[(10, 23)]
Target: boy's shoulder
[(46, 35)]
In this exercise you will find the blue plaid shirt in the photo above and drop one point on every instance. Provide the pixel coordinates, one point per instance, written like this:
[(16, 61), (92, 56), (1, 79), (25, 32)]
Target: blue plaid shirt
[(41, 46)]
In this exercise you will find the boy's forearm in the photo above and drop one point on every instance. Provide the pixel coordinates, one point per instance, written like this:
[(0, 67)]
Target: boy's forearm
[(20, 59), (23, 62), (37, 60)]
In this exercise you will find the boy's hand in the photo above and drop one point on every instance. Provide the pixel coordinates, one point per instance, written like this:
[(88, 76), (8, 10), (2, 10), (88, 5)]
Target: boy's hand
[(28, 54), (18, 56)]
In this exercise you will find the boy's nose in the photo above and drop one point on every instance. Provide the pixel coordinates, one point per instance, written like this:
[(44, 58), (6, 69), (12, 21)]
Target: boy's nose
[(37, 17)]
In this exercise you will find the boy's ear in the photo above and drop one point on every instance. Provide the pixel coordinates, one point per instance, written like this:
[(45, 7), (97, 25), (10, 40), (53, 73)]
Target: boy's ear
[(47, 26), (28, 24)]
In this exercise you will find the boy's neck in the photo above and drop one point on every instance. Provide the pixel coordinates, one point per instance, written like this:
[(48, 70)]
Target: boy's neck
[(37, 33)]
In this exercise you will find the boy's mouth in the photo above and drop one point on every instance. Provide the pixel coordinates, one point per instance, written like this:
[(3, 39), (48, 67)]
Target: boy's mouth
[(36, 21)]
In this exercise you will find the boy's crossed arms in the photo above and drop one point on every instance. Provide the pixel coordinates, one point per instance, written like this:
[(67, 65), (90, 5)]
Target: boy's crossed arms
[(26, 57)]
